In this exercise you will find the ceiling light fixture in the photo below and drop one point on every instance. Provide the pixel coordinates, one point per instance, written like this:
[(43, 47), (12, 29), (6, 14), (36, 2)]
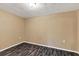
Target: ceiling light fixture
[(33, 5)]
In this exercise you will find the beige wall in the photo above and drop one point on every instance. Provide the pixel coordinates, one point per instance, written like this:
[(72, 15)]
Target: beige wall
[(78, 30), (58, 30), (11, 29)]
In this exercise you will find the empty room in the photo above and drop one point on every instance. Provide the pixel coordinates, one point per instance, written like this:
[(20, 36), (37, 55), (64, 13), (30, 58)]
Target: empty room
[(39, 29)]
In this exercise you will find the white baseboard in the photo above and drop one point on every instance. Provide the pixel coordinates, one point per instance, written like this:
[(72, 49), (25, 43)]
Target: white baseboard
[(39, 45), (10, 46), (52, 47)]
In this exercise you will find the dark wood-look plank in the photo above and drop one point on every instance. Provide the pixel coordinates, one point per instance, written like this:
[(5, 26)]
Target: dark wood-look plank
[(26, 49)]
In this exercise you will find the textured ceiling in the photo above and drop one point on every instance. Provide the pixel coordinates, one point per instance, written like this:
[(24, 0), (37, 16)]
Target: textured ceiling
[(24, 10)]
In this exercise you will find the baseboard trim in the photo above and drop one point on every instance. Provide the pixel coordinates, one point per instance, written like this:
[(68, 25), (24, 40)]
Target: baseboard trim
[(39, 45), (11, 46), (52, 47)]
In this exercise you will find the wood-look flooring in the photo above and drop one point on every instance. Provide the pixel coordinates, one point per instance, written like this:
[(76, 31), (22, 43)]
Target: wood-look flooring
[(26, 49)]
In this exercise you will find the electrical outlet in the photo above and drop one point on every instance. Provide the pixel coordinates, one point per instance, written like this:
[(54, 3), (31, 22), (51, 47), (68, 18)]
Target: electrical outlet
[(19, 37), (64, 41)]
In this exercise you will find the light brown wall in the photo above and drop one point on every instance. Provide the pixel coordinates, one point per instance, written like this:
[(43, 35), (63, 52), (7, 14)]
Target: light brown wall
[(49, 30), (11, 29), (78, 30), (57, 30)]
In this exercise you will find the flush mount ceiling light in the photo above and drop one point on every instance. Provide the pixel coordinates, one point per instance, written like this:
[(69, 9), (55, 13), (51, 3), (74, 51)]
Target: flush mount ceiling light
[(33, 5)]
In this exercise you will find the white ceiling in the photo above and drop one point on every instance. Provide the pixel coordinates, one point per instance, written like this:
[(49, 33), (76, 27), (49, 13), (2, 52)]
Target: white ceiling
[(24, 10)]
